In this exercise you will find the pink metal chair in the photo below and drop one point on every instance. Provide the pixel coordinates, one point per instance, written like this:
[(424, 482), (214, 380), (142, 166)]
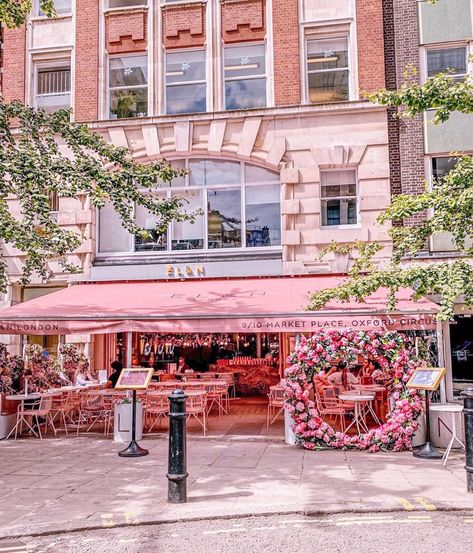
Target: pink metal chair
[(276, 404), (93, 410), (196, 407), (331, 406), (157, 407), (39, 408)]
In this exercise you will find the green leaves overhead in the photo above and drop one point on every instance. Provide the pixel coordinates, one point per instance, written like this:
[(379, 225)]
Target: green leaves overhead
[(444, 207), (14, 13), (43, 154)]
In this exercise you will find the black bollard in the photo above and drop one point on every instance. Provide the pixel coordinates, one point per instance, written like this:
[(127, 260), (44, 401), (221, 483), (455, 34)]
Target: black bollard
[(468, 419), (177, 462)]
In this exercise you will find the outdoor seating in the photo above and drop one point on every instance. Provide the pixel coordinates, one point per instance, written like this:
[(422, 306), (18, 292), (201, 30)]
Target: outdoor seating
[(196, 407), (32, 413), (62, 406), (332, 407), (216, 395), (276, 404), (93, 410), (156, 408)]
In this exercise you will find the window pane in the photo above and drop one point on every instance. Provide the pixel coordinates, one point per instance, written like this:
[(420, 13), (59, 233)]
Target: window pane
[(207, 172), (112, 236), (442, 165), (54, 81), (440, 61), (62, 6), (263, 215), (327, 54), (328, 87), (243, 61), (253, 173), (186, 98), (156, 241), (128, 71), (339, 212), (54, 102), (182, 67), (178, 181), (128, 103), (125, 3), (187, 235), (245, 94), (224, 218)]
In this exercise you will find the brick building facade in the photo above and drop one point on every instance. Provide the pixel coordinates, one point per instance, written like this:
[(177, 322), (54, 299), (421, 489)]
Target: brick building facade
[(263, 100)]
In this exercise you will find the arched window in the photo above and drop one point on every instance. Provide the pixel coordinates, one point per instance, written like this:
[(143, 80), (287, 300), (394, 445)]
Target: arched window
[(240, 205)]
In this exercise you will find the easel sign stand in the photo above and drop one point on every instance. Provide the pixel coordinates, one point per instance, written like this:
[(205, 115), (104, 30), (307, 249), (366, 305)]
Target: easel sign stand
[(427, 379), (134, 379)]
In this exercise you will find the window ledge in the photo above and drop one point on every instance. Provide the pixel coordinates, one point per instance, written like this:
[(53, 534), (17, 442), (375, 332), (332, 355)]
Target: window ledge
[(180, 3), (125, 9), (41, 18)]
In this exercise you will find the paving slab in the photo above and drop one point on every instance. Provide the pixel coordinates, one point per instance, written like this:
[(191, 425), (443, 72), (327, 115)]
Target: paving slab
[(68, 482)]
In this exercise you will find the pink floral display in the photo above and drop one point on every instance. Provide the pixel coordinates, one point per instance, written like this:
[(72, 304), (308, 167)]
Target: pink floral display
[(11, 366), (394, 355)]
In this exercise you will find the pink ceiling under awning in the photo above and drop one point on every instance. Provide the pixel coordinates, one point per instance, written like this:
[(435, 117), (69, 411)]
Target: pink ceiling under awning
[(208, 305)]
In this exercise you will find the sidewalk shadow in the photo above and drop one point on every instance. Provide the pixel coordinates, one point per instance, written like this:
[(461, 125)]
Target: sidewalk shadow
[(219, 496)]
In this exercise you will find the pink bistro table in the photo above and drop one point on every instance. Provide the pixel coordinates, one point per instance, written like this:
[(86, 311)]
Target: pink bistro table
[(363, 406)]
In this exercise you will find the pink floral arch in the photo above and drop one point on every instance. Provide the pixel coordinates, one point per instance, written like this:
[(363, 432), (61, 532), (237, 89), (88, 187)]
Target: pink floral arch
[(395, 355)]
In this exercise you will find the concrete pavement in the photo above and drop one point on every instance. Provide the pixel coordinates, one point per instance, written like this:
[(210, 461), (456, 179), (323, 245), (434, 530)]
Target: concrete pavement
[(68, 483)]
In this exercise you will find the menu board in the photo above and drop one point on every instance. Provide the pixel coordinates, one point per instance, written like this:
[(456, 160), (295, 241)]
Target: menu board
[(426, 378), (134, 379)]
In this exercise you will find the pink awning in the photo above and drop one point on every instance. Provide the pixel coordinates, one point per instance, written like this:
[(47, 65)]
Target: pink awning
[(208, 305)]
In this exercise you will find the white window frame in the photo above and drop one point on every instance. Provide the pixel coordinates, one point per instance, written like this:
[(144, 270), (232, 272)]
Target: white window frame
[(446, 46), (51, 65), (434, 47), (107, 81), (205, 81), (310, 37), (252, 77), (241, 185), (357, 198)]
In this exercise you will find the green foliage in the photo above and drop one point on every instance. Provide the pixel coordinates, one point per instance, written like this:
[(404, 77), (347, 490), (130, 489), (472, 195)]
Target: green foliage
[(445, 207), (41, 154), (14, 13)]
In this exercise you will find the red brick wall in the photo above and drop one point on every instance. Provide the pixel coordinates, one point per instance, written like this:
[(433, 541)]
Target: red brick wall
[(126, 32), (370, 36), (287, 82), (243, 20), (14, 64), (87, 60), (183, 25)]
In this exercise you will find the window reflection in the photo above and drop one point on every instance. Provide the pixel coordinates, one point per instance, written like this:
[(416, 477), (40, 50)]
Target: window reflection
[(224, 218), (263, 216), (155, 241), (187, 235)]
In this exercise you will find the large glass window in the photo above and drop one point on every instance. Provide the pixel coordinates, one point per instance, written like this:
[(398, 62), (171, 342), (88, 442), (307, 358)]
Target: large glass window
[(62, 7), (53, 88), (235, 206), (327, 70), (339, 198), (245, 76), (185, 82), (128, 87), (443, 60)]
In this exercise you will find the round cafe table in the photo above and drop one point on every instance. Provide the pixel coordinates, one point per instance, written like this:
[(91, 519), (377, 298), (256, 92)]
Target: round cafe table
[(453, 409), (362, 404)]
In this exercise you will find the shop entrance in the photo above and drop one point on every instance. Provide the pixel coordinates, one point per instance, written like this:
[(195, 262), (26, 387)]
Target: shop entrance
[(461, 340), (251, 363)]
